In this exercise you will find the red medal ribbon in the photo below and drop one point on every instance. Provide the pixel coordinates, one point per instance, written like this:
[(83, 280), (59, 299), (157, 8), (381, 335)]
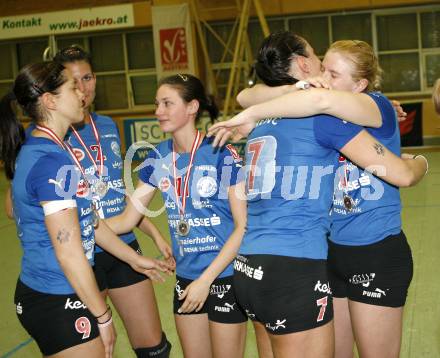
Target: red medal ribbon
[(194, 147), (98, 142), (63, 145)]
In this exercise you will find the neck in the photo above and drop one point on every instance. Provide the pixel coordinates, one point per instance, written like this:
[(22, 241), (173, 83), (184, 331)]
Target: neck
[(184, 139), (60, 129), (86, 116)]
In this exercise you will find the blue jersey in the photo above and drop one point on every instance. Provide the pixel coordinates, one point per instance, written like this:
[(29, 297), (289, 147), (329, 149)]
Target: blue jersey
[(45, 172), (290, 174), (377, 207), (207, 208), (113, 202)]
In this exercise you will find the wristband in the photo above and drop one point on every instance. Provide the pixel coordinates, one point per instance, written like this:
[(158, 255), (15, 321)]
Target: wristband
[(302, 85), (106, 323), (108, 309), (426, 161)]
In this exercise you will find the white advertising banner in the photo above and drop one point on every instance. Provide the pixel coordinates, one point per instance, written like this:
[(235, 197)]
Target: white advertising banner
[(69, 21), (173, 46)]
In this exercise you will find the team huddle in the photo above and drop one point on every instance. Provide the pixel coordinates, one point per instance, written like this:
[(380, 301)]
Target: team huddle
[(303, 236)]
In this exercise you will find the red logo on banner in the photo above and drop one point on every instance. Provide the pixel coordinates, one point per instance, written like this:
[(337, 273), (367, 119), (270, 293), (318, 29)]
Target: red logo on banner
[(173, 49), (408, 124)]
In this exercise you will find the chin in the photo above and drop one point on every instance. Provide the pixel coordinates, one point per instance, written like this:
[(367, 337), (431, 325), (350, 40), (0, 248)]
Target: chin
[(165, 127)]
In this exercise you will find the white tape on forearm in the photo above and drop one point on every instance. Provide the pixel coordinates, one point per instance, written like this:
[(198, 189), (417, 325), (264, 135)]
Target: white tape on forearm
[(52, 207), (302, 85)]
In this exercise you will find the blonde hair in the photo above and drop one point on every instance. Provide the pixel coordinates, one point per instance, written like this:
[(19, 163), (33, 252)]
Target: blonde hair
[(366, 64), (436, 95)]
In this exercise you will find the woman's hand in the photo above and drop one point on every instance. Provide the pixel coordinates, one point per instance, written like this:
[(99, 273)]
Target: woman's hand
[(318, 82), (165, 249), (152, 268), (234, 129), (400, 113), (195, 295), (107, 333)]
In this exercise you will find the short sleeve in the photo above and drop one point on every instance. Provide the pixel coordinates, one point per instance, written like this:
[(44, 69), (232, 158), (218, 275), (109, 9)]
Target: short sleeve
[(231, 164), (149, 167), (334, 133), (53, 177), (389, 119)]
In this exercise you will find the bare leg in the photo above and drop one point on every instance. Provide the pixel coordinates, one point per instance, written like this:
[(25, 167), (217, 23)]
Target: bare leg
[(316, 342), (91, 349), (136, 304), (193, 331), (227, 339), (377, 330), (344, 339), (263, 341)]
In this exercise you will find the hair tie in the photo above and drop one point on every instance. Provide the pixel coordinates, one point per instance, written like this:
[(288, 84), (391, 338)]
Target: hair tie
[(37, 89)]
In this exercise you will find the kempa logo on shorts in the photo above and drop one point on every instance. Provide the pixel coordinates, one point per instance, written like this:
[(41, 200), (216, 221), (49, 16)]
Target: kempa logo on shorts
[(323, 287), (19, 308), (178, 289), (378, 293), (74, 305), (219, 290), (364, 279), (226, 308), (278, 324)]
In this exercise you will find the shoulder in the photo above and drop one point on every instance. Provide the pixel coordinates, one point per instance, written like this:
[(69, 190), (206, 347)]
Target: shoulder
[(104, 121), (165, 146), (99, 118), (52, 160)]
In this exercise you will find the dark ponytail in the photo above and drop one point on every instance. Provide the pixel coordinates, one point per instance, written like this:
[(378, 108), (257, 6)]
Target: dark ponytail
[(33, 81), (12, 134), (189, 88), (275, 57)]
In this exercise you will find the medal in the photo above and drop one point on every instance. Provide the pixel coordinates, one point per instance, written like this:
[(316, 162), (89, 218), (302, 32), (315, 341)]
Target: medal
[(348, 202), (183, 227), (95, 218), (100, 188)]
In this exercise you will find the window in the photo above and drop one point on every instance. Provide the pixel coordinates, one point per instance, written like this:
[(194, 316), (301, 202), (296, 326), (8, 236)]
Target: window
[(397, 32), (140, 48), (31, 51), (123, 62), (144, 89), (432, 68), (407, 41), (353, 27), (314, 30), (401, 72), (256, 33)]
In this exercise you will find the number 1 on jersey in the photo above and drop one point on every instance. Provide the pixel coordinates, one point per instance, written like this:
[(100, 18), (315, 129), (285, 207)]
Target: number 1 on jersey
[(261, 164)]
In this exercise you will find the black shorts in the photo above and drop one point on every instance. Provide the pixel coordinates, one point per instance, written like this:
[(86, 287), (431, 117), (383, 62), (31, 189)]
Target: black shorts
[(378, 274), (221, 304), (56, 322), (285, 294), (110, 272)]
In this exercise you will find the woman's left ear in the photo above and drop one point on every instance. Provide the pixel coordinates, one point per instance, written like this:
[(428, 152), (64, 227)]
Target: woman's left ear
[(48, 101), (361, 85), (193, 107)]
